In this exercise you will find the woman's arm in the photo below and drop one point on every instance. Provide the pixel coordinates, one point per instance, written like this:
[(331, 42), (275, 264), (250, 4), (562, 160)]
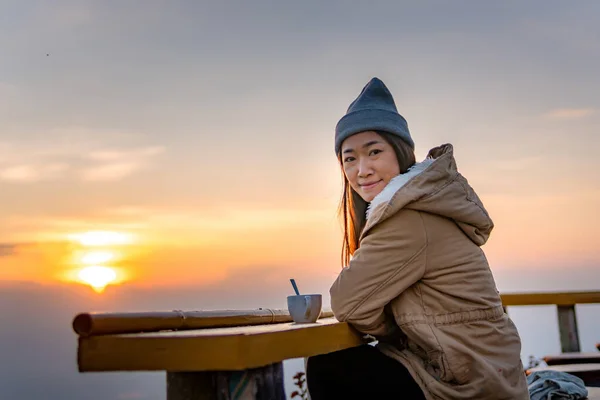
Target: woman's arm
[(391, 258)]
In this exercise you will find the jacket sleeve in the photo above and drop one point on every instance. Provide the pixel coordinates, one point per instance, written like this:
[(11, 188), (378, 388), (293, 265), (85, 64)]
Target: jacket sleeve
[(390, 258)]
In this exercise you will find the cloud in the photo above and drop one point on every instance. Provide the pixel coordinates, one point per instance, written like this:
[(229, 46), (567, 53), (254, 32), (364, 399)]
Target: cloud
[(118, 164), (112, 155), (226, 220), (110, 172), (89, 160), (11, 249), (205, 225), (7, 249), (33, 173), (570, 113)]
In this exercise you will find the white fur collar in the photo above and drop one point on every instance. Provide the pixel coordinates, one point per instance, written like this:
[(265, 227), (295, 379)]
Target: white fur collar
[(397, 183)]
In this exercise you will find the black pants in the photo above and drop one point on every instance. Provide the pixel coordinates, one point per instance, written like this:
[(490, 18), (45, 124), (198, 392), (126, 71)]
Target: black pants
[(359, 373)]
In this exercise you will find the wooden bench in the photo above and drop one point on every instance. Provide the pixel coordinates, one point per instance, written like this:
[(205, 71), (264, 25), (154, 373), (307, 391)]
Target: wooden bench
[(573, 358), (565, 307)]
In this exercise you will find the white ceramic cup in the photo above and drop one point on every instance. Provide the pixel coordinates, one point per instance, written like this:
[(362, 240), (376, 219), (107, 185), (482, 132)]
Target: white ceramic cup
[(305, 308)]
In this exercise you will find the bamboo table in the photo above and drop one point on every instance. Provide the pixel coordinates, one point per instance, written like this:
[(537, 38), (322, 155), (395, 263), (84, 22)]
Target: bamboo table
[(215, 363)]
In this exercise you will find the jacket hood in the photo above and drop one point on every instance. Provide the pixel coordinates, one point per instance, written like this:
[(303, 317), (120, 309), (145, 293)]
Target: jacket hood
[(434, 186)]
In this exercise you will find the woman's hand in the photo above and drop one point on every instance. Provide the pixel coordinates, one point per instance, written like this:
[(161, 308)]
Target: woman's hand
[(368, 339)]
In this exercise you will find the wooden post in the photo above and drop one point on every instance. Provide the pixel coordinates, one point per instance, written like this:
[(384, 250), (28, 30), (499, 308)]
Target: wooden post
[(191, 386), (265, 383), (567, 325)]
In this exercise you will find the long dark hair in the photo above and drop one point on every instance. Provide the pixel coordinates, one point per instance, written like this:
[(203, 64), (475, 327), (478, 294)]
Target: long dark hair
[(352, 209)]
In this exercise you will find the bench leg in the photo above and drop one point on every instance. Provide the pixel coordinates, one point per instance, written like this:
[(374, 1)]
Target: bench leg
[(265, 383)]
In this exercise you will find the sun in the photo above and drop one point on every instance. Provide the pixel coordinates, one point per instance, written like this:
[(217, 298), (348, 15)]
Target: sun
[(97, 258), (97, 277)]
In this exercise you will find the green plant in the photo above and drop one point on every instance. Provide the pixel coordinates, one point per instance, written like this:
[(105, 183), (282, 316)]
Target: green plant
[(300, 381)]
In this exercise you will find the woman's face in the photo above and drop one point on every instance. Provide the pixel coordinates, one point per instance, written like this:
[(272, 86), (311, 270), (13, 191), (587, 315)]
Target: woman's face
[(369, 163)]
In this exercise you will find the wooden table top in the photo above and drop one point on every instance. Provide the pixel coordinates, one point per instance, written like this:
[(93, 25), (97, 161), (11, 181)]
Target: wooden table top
[(217, 349)]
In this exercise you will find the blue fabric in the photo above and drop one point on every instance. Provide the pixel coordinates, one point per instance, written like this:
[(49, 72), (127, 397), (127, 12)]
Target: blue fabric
[(555, 385), (373, 110)]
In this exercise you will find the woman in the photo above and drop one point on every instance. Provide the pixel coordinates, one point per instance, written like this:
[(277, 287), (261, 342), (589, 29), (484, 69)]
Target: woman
[(414, 275)]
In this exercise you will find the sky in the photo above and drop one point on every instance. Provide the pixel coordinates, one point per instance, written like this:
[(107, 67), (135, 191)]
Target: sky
[(186, 148)]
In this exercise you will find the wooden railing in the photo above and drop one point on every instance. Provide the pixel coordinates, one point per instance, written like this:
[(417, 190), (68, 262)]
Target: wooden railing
[(209, 352), (565, 307)]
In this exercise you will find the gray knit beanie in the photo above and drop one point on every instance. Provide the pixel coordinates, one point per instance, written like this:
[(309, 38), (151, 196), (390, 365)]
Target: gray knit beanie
[(373, 110)]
